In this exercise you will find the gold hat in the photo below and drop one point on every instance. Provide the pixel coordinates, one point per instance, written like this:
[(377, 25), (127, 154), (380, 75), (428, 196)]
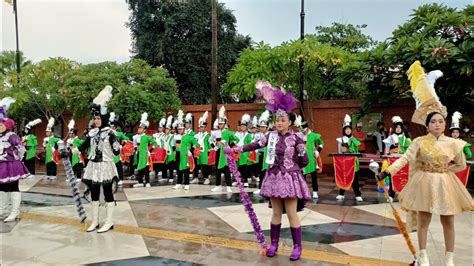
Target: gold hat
[(422, 87)]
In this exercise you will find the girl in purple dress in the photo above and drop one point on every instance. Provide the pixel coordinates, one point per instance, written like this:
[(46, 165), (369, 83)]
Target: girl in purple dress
[(284, 182), (12, 168)]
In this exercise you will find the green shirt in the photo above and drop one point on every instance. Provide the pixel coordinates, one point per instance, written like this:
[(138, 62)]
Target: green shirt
[(353, 145), (244, 138), (142, 156), (31, 145), (313, 140), (228, 137), (205, 146), (76, 142), (467, 151), (187, 141), (121, 138), (50, 148)]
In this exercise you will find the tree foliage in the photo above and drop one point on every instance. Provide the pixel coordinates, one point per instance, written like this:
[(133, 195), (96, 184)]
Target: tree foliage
[(346, 36), (177, 36), (54, 86)]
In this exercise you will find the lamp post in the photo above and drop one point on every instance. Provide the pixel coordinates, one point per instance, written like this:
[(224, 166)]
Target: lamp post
[(15, 9), (301, 62)]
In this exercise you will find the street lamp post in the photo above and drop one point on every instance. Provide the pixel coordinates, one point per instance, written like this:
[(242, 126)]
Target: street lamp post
[(15, 9), (301, 61)]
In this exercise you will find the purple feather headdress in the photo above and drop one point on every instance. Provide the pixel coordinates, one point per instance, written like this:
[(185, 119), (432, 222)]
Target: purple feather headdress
[(3, 113), (278, 101)]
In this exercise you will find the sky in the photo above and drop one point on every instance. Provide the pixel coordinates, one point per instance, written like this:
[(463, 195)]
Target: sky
[(90, 31)]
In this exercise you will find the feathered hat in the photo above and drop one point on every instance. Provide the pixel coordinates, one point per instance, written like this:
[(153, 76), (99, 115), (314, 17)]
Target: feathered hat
[(396, 120), (278, 101), (456, 121), (180, 120), (298, 121), (347, 122), (245, 120), (71, 126), (99, 104), (162, 123), (422, 87), (188, 118), (49, 127), (203, 119), (33, 123), (264, 119), (169, 122), (144, 121), (254, 121), (113, 119), (222, 118), (216, 124), (4, 105)]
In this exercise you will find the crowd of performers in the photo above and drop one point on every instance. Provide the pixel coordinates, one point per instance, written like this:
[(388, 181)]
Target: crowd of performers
[(276, 149)]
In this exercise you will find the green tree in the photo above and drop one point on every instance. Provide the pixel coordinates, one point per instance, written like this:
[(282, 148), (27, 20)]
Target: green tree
[(441, 38), (346, 36), (8, 68), (324, 70), (138, 87), (177, 36)]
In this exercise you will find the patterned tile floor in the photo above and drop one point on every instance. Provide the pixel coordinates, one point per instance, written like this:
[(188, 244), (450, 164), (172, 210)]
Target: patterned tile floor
[(161, 226)]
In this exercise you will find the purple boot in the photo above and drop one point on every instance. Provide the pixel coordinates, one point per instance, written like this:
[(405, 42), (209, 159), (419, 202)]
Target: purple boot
[(297, 248), (275, 237)]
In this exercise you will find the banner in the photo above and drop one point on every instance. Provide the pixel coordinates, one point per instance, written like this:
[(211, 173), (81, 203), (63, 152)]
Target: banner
[(400, 179), (344, 170), (191, 163), (320, 165), (464, 175), (253, 157), (158, 155), (197, 151), (212, 157), (127, 151)]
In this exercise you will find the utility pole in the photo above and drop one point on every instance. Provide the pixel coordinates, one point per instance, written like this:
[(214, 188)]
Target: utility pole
[(15, 10), (301, 62), (214, 60)]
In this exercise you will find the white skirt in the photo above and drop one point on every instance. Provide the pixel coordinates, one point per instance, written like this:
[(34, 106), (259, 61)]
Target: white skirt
[(100, 172)]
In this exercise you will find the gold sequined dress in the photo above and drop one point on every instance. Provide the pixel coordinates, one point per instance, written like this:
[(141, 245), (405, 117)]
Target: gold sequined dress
[(433, 186)]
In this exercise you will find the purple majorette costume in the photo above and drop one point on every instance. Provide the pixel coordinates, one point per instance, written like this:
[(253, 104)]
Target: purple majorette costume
[(286, 158), (12, 168)]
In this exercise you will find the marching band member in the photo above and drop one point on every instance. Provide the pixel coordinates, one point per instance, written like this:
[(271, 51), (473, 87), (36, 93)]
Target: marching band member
[(100, 170), (433, 187), (395, 145), (12, 168), (314, 146), (203, 139), (348, 144), (31, 144), (74, 141), (142, 142), (284, 183), (122, 139), (223, 138), (185, 160), (49, 143)]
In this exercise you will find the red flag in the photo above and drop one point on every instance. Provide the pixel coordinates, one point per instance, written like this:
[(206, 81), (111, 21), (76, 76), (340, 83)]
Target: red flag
[(158, 155), (400, 179), (464, 175), (344, 171)]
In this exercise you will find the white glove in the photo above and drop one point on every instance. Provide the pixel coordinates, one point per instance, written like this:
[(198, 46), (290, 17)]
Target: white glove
[(316, 154), (189, 153), (75, 151)]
